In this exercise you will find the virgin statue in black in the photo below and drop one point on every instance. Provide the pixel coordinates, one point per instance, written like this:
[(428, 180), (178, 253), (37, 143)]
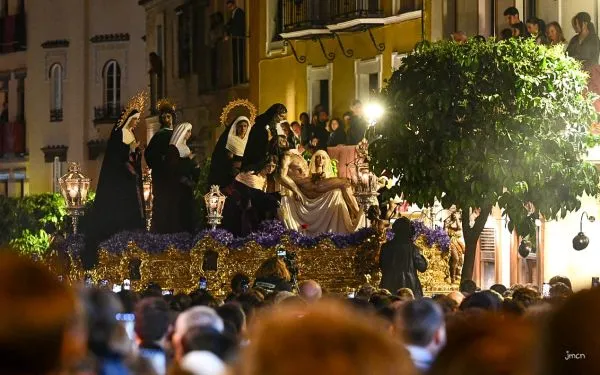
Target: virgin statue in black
[(118, 205), (265, 128), (156, 159), (183, 174), (227, 156)]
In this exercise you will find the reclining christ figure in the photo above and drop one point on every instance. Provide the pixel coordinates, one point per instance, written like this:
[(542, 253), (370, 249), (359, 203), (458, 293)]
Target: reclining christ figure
[(313, 199)]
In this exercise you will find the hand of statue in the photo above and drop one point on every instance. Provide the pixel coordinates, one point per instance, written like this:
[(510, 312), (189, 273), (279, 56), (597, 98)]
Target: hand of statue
[(298, 196)]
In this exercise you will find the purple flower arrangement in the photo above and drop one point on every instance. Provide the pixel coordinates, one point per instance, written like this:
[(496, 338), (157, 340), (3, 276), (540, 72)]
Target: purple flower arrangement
[(432, 236), (268, 235)]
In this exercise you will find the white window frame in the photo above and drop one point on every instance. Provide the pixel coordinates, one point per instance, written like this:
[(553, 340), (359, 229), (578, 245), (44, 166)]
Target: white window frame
[(116, 83), (318, 73), (278, 47), (56, 89), (397, 60), (367, 67)]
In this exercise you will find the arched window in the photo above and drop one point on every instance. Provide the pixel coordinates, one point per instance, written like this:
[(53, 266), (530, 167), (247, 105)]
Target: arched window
[(112, 87), (56, 90)]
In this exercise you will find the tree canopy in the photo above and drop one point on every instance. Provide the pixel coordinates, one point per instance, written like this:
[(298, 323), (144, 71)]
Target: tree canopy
[(489, 123)]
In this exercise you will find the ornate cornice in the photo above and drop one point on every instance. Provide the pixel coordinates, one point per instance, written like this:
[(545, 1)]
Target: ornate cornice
[(59, 43), (106, 38)]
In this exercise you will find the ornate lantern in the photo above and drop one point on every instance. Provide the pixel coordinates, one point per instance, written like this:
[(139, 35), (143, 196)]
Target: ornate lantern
[(215, 202), (148, 196), (365, 189), (74, 187)]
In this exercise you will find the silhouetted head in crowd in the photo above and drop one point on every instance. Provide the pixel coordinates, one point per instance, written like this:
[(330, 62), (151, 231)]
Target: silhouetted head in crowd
[(151, 320), (310, 291), (570, 340), (560, 291), (484, 300), (405, 294), (348, 343), (560, 279), (364, 292), (201, 339), (447, 304), (424, 325), (499, 288), (128, 300), (526, 297), (250, 302), (486, 344), (240, 283), (232, 313), (467, 287), (203, 297), (457, 297), (39, 330), (202, 317)]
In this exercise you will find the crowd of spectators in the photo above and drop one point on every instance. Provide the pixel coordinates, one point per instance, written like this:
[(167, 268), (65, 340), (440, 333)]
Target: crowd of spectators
[(48, 327)]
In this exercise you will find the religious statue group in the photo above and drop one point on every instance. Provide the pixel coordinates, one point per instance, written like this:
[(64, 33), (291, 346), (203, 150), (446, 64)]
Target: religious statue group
[(264, 178), (261, 175)]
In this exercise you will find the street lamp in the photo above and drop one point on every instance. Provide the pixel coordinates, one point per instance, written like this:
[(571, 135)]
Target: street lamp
[(74, 187), (373, 111), (365, 190), (148, 196), (581, 241), (215, 202)]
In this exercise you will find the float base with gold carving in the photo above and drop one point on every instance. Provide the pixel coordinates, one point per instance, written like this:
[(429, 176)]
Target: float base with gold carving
[(337, 265)]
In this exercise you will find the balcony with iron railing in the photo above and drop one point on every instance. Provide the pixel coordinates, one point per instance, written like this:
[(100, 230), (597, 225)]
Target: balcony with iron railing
[(296, 15), (107, 113), (311, 14)]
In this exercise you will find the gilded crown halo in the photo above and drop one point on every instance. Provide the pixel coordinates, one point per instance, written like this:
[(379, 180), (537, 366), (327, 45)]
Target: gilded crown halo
[(138, 102), (165, 104)]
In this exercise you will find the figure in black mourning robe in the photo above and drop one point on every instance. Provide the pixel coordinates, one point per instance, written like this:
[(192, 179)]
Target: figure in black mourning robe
[(248, 203), (226, 160), (265, 128), (183, 174), (119, 204), (156, 158), (400, 260)]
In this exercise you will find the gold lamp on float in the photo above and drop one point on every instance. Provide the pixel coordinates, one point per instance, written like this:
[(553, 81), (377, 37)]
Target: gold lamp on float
[(215, 202), (148, 196), (74, 187)]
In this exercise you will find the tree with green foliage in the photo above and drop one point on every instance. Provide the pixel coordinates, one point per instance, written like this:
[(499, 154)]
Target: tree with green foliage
[(29, 224), (486, 124)]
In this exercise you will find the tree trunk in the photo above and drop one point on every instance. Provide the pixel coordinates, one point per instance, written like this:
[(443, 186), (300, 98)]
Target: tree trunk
[(471, 235)]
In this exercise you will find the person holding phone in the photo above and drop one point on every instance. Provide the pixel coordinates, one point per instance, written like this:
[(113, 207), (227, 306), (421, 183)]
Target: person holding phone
[(273, 276)]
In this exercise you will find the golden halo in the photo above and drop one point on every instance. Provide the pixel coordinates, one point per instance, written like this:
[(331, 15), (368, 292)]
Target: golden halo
[(238, 103)]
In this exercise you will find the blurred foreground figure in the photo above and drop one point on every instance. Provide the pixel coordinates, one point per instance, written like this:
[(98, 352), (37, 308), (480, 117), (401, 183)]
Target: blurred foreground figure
[(570, 341), (328, 339), (486, 345), (39, 334)]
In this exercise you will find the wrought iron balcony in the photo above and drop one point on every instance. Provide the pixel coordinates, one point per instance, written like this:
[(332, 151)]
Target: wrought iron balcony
[(107, 113), (342, 10), (315, 14), (56, 115)]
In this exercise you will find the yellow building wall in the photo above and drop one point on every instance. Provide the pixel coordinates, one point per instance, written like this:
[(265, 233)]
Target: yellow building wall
[(276, 76)]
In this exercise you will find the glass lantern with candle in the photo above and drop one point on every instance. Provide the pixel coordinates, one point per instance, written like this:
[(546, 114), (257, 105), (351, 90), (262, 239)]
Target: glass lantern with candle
[(148, 196), (215, 202), (74, 187)]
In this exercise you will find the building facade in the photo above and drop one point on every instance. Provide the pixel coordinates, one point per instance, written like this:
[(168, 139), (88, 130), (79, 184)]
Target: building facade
[(13, 71), (85, 59), (192, 62)]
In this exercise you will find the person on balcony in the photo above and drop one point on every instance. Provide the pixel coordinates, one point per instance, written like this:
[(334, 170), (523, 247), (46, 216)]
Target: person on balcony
[(236, 28), (358, 125), (585, 46), (119, 204), (156, 155)]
